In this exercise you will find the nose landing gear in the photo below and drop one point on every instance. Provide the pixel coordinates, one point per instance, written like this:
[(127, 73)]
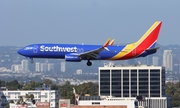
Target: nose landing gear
[(31, 61)]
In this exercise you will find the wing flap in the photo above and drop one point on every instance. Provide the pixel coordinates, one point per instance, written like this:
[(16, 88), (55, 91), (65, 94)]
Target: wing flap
[(93, 54)]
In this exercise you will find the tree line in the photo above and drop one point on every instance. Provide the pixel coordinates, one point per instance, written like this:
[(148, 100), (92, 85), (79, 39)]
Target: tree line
[(66, 90), (173, 90)]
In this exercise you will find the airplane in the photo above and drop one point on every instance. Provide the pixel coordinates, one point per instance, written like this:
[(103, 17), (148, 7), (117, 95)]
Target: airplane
[(78, 52)]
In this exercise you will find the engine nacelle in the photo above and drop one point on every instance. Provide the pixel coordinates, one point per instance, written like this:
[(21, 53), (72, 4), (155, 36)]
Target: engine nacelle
[(72, 57)]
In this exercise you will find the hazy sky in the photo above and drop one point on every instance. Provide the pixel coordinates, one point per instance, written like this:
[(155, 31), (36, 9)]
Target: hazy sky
[(24, 22)]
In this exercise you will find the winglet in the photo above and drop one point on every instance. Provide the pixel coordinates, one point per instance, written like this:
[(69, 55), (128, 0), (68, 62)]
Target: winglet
[(111, 43), (106, 43)]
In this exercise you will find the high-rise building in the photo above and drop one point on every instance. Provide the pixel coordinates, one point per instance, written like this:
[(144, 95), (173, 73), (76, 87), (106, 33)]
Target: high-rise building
[(24, 64), (168, 60), (43, 67), (50, 67), (134, 82), (16, 67), (63, 66), (155, 60), (38, 67)]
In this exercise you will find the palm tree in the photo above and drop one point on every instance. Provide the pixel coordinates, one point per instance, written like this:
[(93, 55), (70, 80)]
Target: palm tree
[(7, 106), (31, 96), (11, 101), (20, 101), (27, 97)]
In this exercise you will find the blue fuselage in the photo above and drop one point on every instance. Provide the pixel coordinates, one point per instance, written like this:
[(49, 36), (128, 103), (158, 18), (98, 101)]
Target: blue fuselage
[(60, 50)]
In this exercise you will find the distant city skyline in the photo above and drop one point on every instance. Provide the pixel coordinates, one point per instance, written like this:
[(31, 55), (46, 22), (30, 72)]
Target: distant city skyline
[(88, 22), (168, 60)]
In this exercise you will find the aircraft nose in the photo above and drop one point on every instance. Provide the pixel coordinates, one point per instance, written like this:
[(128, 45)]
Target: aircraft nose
[(20, 52)]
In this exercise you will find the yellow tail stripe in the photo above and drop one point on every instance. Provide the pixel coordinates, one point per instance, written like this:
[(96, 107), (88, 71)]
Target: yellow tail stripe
[(132, 46)]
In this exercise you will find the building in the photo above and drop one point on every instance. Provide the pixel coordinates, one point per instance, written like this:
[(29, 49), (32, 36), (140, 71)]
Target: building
[(51, 96), (50, 67), (168, 60), (106, 102), (16, 67), (155, 60), (64, 103), (63, 66), (112, 102), (12, 105), (43, 67), (38, 67), (24, 64), (79, 71), (128, 82), (132, 81)]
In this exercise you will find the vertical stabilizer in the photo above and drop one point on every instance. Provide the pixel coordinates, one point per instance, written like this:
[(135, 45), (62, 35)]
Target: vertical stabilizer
[(148, 40)]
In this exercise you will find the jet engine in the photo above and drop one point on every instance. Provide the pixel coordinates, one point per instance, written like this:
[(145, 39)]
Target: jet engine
[(72, 57)]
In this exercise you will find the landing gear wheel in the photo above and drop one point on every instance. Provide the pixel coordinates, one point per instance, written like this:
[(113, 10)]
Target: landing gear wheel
[(31, 61), (89, 63)]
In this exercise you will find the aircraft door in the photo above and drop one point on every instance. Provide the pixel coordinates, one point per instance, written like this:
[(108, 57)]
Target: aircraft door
[(35, 49), (134, 51)]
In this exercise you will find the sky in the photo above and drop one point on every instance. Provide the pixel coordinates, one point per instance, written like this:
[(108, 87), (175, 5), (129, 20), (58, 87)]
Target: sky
[(24, 22)]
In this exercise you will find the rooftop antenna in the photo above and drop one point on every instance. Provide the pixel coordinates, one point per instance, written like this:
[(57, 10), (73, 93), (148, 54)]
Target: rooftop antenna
[(139, 63)]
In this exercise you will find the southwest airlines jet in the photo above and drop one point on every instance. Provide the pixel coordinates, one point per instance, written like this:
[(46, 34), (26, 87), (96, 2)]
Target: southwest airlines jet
[(77, 52)]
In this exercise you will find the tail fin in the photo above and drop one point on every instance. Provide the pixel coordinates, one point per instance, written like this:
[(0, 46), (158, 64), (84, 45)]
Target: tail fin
[(148, 40), (145, 43)]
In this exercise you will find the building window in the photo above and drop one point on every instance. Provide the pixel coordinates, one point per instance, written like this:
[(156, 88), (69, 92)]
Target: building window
[(95, 103)]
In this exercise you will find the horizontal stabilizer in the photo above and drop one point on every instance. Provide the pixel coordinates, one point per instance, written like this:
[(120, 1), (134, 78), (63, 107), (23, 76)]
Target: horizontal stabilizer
[(152, 49)]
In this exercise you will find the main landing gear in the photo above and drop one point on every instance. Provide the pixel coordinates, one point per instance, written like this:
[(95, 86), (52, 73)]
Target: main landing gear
[(31, 60), (89, 63)]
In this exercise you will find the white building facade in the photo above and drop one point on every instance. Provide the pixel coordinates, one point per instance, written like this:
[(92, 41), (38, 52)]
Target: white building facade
[(38, 67), (44, 67), (63, 66), (50, 67), (155, 60), (25, 66), (51, 96), (16, 68), (168, 60)]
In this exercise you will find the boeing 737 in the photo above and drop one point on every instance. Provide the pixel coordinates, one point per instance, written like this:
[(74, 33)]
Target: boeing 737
[(78, 52)]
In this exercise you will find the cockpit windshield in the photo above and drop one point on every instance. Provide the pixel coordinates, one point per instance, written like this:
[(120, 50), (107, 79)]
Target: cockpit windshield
[(28, 48)]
